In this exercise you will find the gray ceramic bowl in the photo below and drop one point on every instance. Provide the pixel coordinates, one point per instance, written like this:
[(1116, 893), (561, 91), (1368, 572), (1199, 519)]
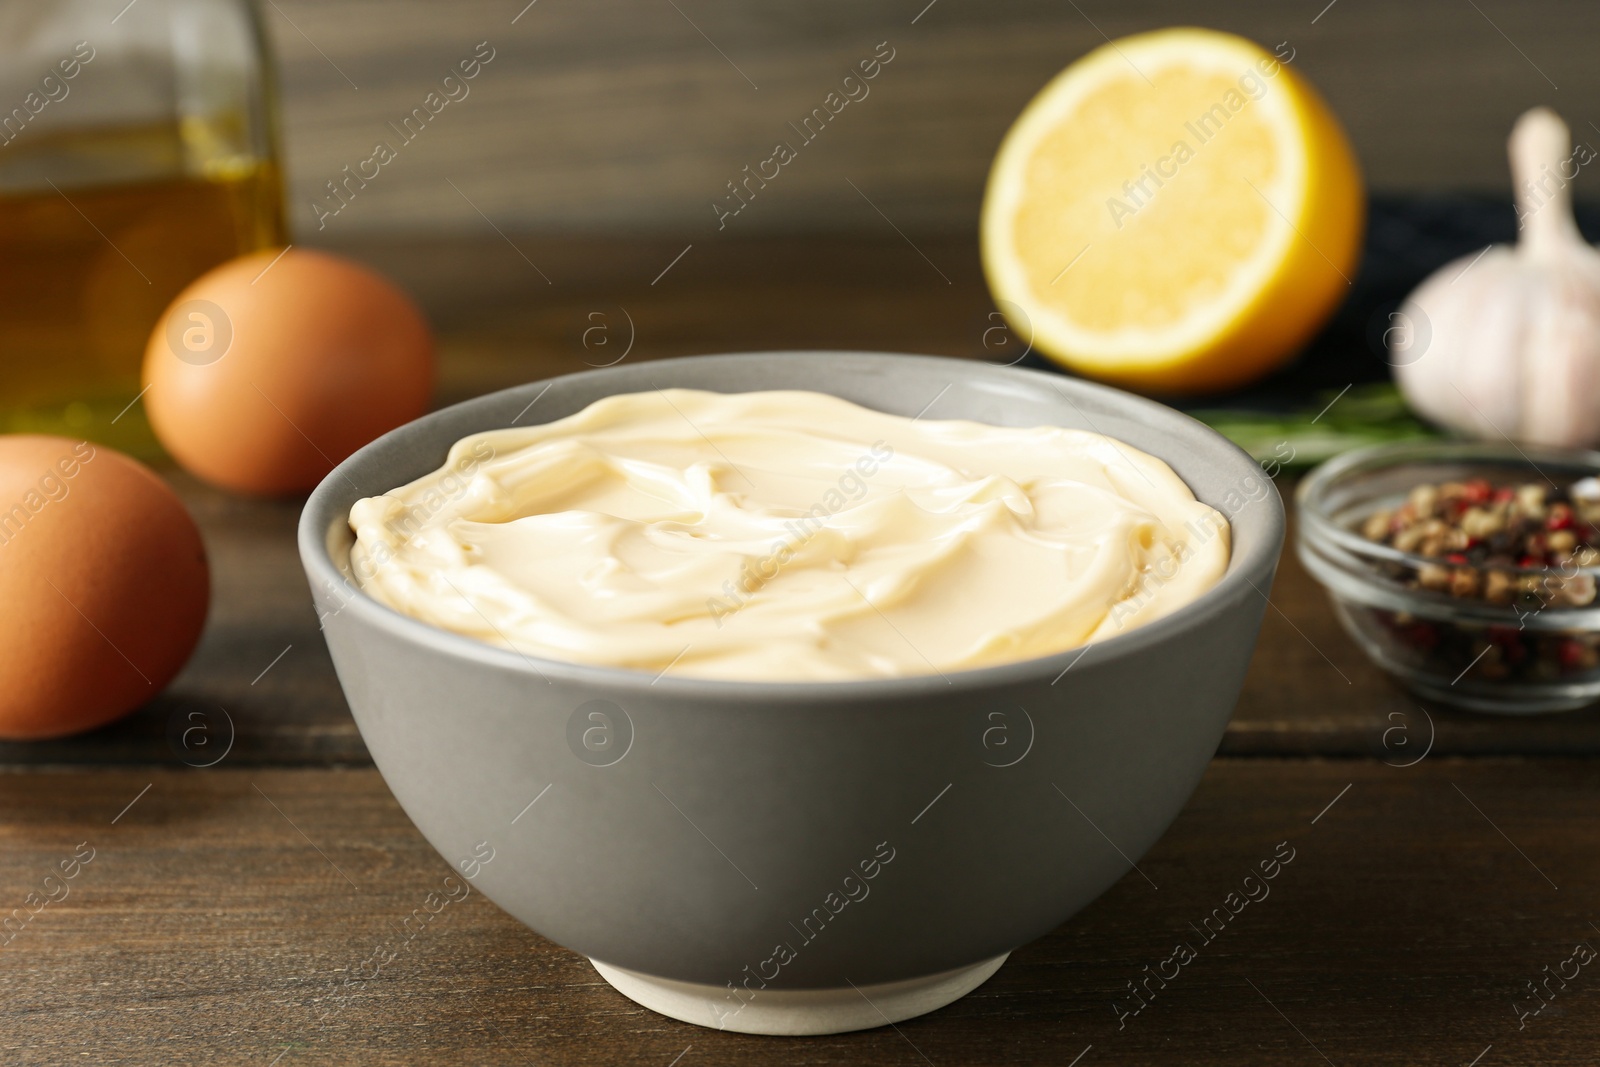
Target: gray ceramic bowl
[(799, 857)]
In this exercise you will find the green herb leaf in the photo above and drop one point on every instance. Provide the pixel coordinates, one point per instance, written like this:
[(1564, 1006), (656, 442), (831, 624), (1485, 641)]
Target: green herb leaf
[(1364, 415)]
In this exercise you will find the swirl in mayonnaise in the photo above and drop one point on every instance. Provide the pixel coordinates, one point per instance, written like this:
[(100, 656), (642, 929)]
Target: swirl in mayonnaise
[(787, 536)]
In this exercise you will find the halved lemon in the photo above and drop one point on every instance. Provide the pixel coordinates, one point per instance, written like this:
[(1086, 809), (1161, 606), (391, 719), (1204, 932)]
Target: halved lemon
[(1176, 212)]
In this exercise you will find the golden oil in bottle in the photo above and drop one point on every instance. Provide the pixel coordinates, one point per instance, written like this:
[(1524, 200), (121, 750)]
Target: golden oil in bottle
[(138, 150), (88, 266)]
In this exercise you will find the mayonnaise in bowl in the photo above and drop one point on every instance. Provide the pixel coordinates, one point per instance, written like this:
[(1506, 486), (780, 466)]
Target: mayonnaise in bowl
[(787, 536)]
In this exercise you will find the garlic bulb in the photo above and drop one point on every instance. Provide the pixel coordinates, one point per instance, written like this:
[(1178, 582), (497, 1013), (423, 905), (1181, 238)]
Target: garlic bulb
[(1506, 344)]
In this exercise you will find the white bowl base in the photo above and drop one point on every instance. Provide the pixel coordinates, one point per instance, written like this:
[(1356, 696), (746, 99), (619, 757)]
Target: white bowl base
[(798, 1012)]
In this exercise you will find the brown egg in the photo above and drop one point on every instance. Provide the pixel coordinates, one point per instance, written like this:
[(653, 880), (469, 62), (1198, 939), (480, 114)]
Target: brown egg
[(267, 371), (104, 581)]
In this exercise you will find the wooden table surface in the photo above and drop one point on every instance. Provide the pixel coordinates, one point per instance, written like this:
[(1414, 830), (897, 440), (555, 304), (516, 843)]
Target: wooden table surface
[(1443, 860)]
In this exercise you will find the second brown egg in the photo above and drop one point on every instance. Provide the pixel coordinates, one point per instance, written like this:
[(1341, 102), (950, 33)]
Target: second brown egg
[(272, 368)]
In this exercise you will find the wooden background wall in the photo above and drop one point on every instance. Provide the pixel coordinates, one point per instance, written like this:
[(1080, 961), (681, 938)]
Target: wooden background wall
[(625, 116)]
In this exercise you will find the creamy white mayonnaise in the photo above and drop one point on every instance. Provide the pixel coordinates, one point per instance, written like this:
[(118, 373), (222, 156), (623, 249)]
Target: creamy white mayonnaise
[(787, 536)]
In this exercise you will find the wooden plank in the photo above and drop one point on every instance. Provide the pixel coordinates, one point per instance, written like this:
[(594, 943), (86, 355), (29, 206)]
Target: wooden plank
[(631, 118), (215, 923), (502, 324)]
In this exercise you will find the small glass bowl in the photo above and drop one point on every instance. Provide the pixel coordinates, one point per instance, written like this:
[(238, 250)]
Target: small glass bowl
[(1533, 655)]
